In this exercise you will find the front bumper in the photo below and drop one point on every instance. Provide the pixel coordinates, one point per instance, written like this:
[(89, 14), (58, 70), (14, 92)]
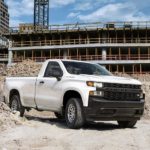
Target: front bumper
[(101, 109)]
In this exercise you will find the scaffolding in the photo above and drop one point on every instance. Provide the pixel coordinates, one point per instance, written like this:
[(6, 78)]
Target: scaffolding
[(120, 46)]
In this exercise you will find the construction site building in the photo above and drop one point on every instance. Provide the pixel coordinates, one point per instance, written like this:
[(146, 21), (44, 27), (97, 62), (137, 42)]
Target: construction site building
[(3, 50), (4, 17), (26, 27), (4, 28), (119, 46)]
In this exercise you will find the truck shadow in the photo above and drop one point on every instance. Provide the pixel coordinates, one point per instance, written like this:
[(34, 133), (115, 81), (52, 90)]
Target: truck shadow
[(100, 126)]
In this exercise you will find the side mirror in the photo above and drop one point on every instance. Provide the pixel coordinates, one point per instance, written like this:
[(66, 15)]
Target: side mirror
[(57, 73)]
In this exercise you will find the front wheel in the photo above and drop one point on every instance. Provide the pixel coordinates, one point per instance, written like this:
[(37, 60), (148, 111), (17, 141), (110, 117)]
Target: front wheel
[(15, 105), (74, 113), (127, 124)]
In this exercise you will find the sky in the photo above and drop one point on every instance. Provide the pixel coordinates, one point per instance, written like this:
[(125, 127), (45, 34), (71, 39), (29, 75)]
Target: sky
[(82, 11)]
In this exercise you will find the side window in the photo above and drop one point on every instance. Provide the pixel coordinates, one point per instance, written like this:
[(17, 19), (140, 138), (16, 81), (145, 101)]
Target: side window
[(52, 68)]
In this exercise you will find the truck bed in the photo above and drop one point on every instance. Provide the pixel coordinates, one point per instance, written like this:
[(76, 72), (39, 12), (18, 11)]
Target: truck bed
[(25, 84)]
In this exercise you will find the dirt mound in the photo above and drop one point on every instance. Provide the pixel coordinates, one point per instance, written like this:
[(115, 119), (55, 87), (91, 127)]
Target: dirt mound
[(7, 119)]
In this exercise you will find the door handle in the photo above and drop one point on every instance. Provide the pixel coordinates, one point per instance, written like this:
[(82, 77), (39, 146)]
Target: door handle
[(41, 82)]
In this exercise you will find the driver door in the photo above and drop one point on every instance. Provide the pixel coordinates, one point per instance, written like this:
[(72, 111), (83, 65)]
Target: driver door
[(48, 88)]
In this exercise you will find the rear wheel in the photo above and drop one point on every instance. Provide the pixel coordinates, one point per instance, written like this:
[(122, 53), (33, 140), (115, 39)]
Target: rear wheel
[(127, 124), (74, 113), (15, 105)]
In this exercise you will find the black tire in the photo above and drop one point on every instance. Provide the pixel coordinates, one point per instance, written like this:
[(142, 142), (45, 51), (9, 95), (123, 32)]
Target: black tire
[(15, 105), (59, 116), (127, 124), (74, 115)]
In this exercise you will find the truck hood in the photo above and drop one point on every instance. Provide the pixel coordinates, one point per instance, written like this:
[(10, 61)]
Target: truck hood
[(108, 79)]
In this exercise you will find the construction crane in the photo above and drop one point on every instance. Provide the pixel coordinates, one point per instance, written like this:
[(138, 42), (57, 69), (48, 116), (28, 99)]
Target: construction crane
[(41, 14)]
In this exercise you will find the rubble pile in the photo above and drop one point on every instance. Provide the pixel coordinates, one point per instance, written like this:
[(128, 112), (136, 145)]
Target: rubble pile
[(3, 70), (7, 119), (27, 68)]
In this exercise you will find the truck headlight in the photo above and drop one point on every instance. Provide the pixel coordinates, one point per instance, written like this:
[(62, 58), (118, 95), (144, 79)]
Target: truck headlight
[(95, 84)]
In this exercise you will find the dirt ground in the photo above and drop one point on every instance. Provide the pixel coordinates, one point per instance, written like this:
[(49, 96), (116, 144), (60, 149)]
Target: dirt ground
[(42, 131)]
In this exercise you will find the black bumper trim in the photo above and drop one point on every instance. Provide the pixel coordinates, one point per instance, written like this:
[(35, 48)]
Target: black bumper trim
[(101, 109)]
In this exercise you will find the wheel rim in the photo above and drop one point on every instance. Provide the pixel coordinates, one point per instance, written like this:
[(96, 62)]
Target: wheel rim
[(14, 105), (71, 113)]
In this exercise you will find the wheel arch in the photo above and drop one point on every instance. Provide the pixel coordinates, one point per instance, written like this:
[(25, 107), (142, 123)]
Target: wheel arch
[(71, 94), (13, 92), (19, 107)]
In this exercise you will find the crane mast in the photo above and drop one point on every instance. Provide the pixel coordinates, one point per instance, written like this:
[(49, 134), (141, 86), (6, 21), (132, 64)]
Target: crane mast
[(41, 14)]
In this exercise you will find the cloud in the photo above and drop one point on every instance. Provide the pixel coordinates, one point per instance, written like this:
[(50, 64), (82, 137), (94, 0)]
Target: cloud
[(15, 23), (72, 15), (19, 9), (115, 12), (60, 3), (84, 10), (83, 6), (25, 7), (90, 4)]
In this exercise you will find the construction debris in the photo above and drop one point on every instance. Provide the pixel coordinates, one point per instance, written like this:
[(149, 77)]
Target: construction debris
[(27, 68), (8, 119)]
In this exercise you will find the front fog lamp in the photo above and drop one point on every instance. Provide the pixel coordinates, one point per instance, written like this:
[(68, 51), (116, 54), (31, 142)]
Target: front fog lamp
[(142, 96), (96, 93), (95, 84)]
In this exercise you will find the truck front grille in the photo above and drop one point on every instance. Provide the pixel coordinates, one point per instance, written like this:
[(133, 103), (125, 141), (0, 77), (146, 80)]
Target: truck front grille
[(122, 92), (120, 96), (128, 86)]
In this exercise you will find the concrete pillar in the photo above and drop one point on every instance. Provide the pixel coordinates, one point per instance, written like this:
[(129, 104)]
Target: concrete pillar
[(65, 54), (10, 44), (10, 56), (104, 50), (10, 53), (104, 54)]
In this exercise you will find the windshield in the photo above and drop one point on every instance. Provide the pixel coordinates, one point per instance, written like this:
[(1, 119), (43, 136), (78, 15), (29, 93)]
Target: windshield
[(85, 68)]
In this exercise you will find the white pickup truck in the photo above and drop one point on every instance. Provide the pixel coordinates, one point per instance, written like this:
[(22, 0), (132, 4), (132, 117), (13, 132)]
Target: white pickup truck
[(79, 92)]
